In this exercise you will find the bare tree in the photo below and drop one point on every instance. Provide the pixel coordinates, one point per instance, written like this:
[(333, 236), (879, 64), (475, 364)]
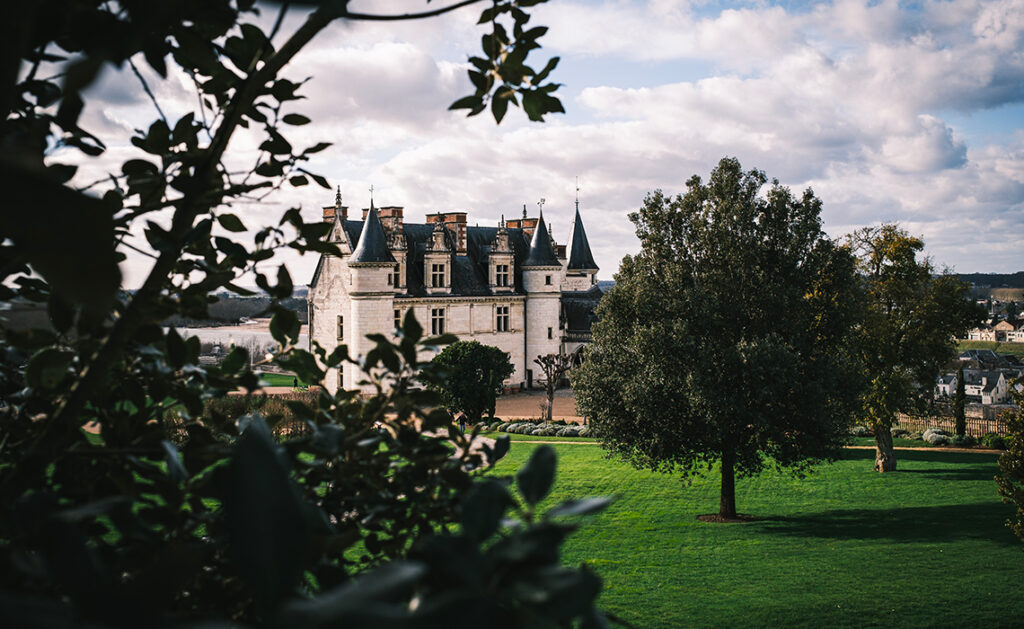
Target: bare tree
[(555, 366)]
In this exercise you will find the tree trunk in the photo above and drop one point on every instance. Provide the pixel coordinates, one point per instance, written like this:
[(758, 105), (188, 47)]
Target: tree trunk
[(727, 502), (551, 403), (885, 454)]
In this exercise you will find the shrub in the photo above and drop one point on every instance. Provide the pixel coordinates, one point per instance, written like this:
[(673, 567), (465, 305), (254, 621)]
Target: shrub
[(559, 422), (860, 431), (503, 427), (994, 441), (965, 441), (936, 436), (900, 432), (916, 436), (584, 432), (538, 431)]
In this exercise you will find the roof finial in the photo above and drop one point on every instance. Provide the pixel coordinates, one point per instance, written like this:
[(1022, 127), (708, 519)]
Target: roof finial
[(337, 199), (577, 193), (502, 223), (371, 194), (541, 203), (524, 210)]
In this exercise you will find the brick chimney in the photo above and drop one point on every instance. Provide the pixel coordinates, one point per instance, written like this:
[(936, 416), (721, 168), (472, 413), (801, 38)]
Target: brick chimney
[(456, 222), (391, 217)]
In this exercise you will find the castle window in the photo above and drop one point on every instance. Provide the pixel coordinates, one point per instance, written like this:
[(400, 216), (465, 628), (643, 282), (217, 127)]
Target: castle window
[(341, 327), (391, 279), (341, 377), (501, 275), (549, 333), (398, 318), (395, 276), (501, 319), (547, 280), (436, 275), (437, 321)]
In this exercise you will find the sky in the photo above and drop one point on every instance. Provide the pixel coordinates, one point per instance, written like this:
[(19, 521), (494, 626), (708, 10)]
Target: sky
[(890, 111)]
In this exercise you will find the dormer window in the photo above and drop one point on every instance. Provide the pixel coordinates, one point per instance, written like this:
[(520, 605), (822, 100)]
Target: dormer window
[(436, 275), (501, 275)]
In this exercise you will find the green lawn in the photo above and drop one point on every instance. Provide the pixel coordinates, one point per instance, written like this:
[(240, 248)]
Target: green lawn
[(921, 547), (280, 380), (996, 346)]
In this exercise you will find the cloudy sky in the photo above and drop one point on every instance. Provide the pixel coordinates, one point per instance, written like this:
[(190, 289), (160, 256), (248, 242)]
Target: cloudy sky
[(890, 111)]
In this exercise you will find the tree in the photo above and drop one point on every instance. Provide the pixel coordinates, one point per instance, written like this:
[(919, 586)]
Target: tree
[(554, 366), (958, 403), (911, 317), (726, 338), (1011, 462), (474, 378), (136, 525)]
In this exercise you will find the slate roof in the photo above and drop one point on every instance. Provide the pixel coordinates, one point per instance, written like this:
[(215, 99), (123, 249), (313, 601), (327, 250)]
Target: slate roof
[(541, 252), (470, 271), (580, 257), (578, 309), (373, 244)]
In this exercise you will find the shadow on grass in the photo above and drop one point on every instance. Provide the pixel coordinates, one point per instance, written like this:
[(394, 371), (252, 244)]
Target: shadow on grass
[(929, 456), (945, 523)]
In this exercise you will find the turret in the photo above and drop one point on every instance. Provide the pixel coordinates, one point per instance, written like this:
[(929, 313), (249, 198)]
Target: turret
[(542, 281), (580, 268), (372, 298), (500, 262)]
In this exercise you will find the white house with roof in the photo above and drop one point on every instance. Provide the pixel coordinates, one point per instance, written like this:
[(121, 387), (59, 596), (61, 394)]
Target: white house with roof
[(509, 286)]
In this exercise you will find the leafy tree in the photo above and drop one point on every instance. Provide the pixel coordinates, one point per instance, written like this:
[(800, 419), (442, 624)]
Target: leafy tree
[(554, 366), (136, 525), (959, 398), (1011, 462), (475, 376), (727, 337), (911, 317)]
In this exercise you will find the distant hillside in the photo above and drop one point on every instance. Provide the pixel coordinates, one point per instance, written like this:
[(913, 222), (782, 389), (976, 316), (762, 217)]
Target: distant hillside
[(994, 280)]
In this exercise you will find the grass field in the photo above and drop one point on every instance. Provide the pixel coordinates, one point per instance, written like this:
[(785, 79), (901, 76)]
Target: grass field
[(844, 547), (1002, 348), (280, 380)]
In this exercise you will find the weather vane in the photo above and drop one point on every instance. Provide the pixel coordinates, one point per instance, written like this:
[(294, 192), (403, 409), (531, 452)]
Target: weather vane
[(371, 193), (577, 193), (541, 203)]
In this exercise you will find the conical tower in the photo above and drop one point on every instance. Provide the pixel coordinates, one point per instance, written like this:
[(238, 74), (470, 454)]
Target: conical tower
[(542, 281), (580, 268)]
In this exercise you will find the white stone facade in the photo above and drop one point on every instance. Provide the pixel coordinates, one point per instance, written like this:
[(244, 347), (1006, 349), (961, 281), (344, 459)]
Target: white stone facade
[(491, 288)]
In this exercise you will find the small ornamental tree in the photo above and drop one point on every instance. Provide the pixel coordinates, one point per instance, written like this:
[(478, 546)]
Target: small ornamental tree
[(1011, 462), (554, 366), (726, 339), (959, 398), (474, 377), (911, 316)]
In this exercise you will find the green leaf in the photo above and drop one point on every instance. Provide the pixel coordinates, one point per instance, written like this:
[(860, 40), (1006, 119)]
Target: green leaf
[(298, 180), (295, 119), (284, 327), (175, 469), (501, 448), (320, 180), (47, 368), (230, 222), (535, 479), (237, 358), (499, 106), (483, 508), (266, 531), (316, 148), (467, 102), (175, 349)]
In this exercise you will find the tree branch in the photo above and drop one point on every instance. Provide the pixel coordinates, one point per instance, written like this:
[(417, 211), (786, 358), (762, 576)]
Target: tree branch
[(406, 16)]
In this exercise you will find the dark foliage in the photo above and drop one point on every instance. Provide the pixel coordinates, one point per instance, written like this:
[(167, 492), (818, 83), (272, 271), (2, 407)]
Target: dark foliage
[(176, 511), (474, 378), (682, 373), (1011, 464), (911, 316)]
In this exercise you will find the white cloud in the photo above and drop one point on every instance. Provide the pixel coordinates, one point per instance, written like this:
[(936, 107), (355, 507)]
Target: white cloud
[(850, 98)]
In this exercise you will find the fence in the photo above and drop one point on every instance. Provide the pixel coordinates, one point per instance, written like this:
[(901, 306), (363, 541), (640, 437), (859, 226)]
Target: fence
[(976, 426)]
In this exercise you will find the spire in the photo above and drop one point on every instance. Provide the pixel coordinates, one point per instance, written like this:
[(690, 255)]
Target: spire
[(541, 252), (373, 245), (337, 199), (580, 257)]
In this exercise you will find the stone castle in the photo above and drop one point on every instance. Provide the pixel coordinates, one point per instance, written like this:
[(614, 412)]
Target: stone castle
[(509, 286)]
